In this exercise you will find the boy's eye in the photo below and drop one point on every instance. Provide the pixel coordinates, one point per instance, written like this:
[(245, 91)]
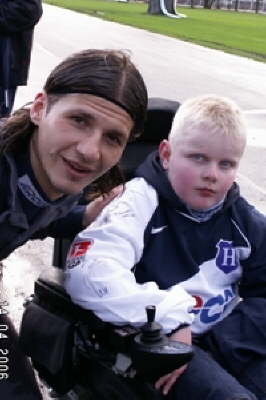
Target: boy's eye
[(227, 164), (197, 157)]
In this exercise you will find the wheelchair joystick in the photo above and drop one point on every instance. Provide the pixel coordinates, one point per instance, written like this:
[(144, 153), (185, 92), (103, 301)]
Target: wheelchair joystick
[(151, 332), (153, 354)]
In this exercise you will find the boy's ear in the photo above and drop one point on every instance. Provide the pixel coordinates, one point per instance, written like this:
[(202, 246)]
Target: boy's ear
[(164, 153), (38, 107)]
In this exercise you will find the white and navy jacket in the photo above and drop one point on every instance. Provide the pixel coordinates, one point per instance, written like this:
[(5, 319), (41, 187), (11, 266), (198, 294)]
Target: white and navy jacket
[(145, 248)]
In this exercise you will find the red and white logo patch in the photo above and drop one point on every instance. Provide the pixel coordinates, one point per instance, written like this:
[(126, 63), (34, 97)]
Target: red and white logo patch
[(78, 249)]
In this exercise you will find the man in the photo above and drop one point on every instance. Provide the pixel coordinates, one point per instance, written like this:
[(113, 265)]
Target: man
[(17, 21), (74, 132)]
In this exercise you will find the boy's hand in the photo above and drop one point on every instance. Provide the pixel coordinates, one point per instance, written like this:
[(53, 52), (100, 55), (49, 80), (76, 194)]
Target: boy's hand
[(166, 382), (94, 208)]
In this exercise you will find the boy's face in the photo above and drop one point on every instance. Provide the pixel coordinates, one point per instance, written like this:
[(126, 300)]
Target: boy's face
[(76, 141), (202, 168)]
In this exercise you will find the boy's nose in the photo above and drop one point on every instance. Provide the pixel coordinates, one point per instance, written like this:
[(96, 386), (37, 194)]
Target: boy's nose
[(210, 172)]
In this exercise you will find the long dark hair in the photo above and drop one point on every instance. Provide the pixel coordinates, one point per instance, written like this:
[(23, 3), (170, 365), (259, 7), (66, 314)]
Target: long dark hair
[(105, 73)]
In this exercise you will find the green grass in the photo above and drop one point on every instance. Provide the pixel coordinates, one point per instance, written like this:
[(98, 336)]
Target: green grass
[(239, 33)]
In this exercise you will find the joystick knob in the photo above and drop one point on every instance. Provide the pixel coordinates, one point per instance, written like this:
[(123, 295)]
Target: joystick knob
[(153, 354), (151, 332)]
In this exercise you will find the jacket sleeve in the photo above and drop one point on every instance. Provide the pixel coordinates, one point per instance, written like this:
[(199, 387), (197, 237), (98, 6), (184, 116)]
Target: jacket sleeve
[(239, 339), (99, 267), (19, 15), (253, 281), (66, 227)]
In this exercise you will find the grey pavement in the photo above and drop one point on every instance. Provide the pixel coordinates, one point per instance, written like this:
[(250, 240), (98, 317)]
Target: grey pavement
[(171, 68)]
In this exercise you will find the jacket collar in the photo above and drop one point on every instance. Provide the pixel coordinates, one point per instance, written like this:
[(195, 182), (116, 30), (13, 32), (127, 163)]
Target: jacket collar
[(14, 211)]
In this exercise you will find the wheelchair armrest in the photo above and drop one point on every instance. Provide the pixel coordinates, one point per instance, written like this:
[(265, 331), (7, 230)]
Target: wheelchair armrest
[(50, 293), (54, 278), (58, 335)]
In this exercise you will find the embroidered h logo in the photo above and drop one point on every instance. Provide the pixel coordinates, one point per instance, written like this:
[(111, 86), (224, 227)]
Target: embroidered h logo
[(226, 256)]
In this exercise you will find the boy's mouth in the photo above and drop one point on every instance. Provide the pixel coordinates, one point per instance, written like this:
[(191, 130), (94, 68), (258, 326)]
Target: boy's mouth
[(205, 192)]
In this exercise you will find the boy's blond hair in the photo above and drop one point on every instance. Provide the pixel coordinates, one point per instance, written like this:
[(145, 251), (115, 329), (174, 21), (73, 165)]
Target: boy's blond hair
[(215, 114)]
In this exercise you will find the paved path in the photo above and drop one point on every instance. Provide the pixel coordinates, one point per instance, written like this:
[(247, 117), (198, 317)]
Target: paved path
[(171, 68)]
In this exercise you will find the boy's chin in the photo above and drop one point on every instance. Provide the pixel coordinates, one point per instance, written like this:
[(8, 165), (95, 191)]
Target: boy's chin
[(202, 207)]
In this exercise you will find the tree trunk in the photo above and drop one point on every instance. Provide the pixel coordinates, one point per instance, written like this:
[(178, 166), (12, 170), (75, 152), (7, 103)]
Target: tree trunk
[(170, 6), (257, 6), (155, 6), (208, 3)]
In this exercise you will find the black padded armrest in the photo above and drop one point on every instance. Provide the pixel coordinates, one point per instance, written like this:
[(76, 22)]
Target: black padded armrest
[(50, 293), (54, 278)]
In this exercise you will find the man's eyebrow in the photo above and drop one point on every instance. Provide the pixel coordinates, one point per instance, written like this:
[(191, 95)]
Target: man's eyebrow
[(120, 133), (90, 117), (81, 113)]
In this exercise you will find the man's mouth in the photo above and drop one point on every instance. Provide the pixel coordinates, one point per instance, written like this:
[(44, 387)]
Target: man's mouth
[(77, 168)]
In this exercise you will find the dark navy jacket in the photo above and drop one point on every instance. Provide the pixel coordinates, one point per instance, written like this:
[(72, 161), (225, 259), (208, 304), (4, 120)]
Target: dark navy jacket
[(17, 21), (188, 243), (17, 226), (239, 339)]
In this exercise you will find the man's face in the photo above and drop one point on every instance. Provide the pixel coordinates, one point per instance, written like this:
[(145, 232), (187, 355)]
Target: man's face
[(202, 168), (76, 141)]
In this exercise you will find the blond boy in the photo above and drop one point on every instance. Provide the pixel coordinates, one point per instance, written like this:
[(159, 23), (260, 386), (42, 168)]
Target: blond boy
[(182, 238)]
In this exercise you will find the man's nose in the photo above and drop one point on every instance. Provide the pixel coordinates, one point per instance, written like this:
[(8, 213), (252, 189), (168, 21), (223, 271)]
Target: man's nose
[(89, 148)]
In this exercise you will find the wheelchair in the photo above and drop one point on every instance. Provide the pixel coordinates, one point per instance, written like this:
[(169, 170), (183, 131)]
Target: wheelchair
[(81, 357)]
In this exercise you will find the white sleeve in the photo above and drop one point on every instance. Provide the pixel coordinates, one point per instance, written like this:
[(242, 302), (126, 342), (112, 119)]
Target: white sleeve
[(99, 265)]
